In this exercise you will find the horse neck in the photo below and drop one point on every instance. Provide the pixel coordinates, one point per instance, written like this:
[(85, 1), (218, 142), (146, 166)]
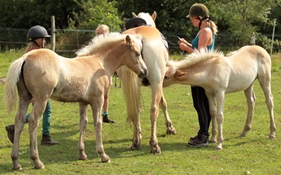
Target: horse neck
[(113, 58)]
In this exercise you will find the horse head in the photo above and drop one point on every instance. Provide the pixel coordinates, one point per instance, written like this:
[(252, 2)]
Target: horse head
[(149, 19), (133, 58)]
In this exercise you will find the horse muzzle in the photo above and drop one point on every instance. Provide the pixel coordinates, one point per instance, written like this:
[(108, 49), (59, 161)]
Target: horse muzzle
[(143, 73)]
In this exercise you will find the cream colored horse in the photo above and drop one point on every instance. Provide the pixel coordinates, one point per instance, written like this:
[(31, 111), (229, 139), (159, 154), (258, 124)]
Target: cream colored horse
[(220, 75), (155, 57), (42, 74)]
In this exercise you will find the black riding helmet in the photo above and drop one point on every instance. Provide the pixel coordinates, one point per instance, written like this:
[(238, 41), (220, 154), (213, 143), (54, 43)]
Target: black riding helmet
[(37, 32), (135, 22)]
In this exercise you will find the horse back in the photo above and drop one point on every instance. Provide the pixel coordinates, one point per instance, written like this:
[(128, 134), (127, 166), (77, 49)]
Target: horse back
[(147, 32)]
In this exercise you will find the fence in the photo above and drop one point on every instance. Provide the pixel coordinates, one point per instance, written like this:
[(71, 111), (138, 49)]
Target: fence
[(68, 40)]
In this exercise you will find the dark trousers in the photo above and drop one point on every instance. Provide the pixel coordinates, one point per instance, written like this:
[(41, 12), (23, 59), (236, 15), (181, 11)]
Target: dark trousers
[(201, 104)]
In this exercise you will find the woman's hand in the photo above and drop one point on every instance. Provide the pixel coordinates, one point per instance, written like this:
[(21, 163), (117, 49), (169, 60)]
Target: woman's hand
[(184, 45)]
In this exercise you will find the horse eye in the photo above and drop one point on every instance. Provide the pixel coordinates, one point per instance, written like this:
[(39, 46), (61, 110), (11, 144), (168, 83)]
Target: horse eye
[(137, 54)]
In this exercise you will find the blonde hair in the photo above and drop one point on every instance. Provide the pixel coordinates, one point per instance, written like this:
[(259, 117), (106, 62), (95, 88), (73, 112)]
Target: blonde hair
[(31, 46), (211, 23), (213, 26), (101, 29)]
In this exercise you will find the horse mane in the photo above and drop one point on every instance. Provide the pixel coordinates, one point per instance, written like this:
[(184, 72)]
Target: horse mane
[(99, 41), (198, 56), (232, 53)]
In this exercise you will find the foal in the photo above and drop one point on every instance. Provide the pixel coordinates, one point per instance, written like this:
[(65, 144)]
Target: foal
[(220, 75)]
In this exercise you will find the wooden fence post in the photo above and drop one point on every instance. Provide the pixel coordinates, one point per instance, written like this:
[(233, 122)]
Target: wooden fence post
[(53, 33)]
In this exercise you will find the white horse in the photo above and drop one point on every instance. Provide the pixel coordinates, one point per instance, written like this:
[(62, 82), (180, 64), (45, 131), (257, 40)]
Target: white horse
[(149, 19), (220, 75), (155, 56)]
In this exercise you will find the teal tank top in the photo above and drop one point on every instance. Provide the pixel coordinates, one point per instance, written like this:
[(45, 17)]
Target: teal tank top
[(196, 39)]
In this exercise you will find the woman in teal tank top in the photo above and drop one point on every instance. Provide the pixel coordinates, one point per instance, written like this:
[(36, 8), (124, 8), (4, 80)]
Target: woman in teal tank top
[(205, 38)]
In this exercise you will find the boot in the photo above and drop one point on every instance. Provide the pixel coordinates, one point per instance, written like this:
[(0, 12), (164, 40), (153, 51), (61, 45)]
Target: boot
[(46, 141), (198, 141), (10, 132), (105, 119)]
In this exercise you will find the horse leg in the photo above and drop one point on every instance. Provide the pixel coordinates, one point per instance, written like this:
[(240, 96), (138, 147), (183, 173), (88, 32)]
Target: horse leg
[(251, 98), (163, 105), (219, 117), (154, 112), (19, 124), (33, 121), (24, 100), (96, 108), (83, 125), (212, 107), (266, 87)]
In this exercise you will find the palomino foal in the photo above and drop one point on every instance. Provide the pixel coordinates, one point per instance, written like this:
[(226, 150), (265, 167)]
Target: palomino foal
[(220, 75), (42, 74)]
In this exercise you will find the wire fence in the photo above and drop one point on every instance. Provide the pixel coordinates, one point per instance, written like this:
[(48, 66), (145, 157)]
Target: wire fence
[(69, 41)]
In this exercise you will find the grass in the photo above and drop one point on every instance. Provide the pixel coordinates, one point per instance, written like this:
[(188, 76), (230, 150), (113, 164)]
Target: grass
[(254, 154)]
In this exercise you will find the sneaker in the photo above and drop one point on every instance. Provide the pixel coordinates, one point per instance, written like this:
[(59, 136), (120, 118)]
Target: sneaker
[(199, 141), (47, 141), (10, 132), (105, 119)]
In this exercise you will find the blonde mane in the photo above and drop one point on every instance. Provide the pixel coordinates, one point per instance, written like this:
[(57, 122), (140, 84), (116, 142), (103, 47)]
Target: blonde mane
[(99, 41), (198, 56)]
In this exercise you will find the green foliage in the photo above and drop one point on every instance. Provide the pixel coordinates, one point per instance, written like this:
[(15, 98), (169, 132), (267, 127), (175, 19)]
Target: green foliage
[(240, 16), (23, 14), (97, 12)]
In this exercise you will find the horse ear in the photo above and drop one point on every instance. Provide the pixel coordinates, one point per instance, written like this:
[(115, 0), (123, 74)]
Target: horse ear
[(128, 40), (134, 15), (154, 15)]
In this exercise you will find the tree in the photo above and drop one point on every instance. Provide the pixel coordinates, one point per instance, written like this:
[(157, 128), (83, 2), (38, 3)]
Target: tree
[(240, 16), (97, 12), (23, 14)]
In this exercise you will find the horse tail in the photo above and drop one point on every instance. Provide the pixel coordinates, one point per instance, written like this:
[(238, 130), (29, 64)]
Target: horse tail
[(131, 90), (12, 78)]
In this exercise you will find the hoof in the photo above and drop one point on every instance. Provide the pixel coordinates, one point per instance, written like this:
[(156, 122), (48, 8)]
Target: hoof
[(105, 159), (171, 131), (39, 166), (156, 150), (218, 147), (242, 135), (17, 168), (135, 147), (82, 155), (272, 137)]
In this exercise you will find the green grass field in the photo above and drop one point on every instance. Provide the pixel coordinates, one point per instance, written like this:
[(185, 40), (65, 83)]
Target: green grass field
[(254, 154)]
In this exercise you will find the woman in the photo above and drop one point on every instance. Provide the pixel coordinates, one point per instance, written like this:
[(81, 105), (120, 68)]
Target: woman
[(205, 38), (37, 38)]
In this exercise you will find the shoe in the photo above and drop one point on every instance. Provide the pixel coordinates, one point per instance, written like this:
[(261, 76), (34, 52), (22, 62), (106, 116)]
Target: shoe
[(193, 138), (10, 132), (199, 141), (105, 119), (47, 141)]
